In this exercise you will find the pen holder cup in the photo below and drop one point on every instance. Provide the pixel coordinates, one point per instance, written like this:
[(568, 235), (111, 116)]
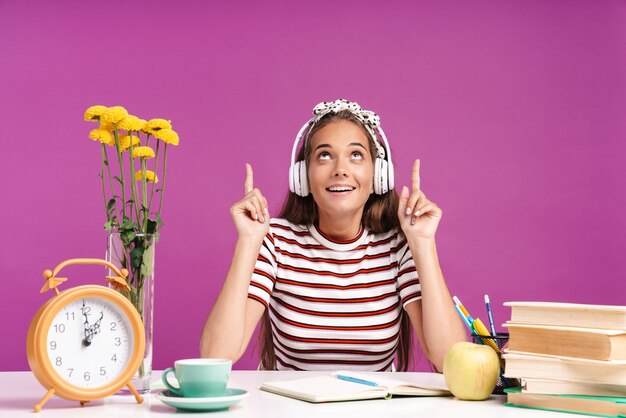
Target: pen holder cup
[(502, 342)]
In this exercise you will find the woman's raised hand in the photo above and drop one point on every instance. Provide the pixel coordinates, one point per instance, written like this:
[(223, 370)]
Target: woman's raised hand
[(250, 214), (419, 217)]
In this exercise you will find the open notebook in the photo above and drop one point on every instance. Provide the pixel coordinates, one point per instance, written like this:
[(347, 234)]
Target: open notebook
[(351, 386)]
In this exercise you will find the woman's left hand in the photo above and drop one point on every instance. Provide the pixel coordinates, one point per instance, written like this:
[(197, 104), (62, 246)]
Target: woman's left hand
[(419, 217)]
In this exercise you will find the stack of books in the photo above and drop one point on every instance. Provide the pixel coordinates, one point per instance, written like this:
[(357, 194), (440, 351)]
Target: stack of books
[(569, 357)]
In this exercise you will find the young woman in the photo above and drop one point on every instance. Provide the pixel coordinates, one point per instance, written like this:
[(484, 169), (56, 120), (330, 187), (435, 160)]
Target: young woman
[(347, 271)]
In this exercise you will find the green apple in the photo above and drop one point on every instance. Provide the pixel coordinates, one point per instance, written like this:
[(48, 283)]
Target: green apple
[(471, 371)]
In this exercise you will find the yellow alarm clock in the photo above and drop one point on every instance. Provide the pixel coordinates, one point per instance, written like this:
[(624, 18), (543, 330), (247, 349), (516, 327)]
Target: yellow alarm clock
[(87, 342)]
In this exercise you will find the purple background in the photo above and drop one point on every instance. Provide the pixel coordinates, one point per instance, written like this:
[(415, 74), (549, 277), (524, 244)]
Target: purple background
[(517, 110)]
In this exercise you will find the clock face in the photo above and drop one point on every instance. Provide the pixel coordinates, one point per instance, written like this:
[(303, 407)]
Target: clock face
[(90, 342)]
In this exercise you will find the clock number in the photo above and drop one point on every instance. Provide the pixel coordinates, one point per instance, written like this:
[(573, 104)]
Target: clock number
[(59, 361), (102, 371), (53, 345), (86, 310), (59, 329), (113, 326), (69, 315), (71, 371), (114, 358), (118, 341), (86, 377)]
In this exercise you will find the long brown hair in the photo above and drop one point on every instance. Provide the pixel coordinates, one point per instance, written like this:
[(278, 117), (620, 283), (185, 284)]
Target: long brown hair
[(379, 216)]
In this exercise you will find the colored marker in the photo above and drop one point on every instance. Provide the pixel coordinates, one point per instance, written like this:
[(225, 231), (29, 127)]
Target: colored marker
[(458, 302), (490, 315), (468, 317), (464, 318)]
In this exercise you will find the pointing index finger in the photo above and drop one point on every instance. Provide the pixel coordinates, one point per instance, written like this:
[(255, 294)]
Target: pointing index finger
[(415, 175), (249, 184)]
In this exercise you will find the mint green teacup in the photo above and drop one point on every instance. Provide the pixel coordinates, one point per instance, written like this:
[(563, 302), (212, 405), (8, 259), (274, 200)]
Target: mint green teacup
[(199, 378)]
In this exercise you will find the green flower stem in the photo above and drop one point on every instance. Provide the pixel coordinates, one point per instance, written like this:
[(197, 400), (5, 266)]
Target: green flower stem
[(139, 306), (144, 192), (106, 157), (119, 157), (115, 253), (156, 165), (139, 288), (104, 192), (163, 181), (133, 183)]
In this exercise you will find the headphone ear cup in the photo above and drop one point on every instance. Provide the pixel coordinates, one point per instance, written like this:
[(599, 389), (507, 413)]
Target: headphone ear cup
[(296, 178), (377, 176), (304, 181), (383, 176), (292, 186), (384, 185), (390, 175)]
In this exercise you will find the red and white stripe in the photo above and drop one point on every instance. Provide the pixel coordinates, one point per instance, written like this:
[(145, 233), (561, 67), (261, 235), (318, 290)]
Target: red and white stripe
[(334, 304)]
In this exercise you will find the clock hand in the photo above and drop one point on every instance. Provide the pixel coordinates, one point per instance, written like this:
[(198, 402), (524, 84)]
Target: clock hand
[(96, 326), (87, 328)]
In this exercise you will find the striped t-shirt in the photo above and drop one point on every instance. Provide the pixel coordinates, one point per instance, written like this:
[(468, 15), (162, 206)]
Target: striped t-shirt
[(334, 304)]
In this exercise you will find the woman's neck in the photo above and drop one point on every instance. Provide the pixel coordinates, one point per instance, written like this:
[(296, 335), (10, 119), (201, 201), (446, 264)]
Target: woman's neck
[(341, 228)]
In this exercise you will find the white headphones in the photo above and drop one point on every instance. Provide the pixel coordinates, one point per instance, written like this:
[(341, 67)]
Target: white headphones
[(383, 169)]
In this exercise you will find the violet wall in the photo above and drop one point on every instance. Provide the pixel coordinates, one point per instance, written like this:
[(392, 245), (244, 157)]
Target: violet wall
[(517, 110)]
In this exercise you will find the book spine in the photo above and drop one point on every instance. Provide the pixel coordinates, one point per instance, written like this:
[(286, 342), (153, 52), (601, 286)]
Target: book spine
[(568, 343), (538, 367)]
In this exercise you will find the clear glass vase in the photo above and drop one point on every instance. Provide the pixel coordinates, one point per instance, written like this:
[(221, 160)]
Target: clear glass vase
[(135, 253)]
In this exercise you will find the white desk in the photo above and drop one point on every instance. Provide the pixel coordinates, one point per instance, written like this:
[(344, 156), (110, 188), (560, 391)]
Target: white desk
[(20, 391)]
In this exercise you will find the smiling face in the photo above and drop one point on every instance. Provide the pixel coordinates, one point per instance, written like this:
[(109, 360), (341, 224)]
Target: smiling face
[(340, 170)]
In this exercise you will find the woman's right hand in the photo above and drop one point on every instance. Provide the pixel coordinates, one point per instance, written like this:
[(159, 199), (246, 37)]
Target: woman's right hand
[(250, 214)]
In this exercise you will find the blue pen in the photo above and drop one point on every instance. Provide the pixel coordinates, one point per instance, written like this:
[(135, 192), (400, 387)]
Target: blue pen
[(356, 380), (490, 314)]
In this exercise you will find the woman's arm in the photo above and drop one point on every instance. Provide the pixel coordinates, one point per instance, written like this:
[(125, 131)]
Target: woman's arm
[(434, 319), (234, 317)]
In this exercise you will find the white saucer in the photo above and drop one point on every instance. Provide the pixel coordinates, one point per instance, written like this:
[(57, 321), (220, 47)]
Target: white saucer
[(231, 396)]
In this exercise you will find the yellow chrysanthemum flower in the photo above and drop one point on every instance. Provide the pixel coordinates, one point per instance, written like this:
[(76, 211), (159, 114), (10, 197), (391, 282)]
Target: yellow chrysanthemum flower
[(150, 176), (156, 124), (102, 135), (94, 112), (125, 142), (143, 152), (131, 123), (107, 126), (167, 135), (113, 114)]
